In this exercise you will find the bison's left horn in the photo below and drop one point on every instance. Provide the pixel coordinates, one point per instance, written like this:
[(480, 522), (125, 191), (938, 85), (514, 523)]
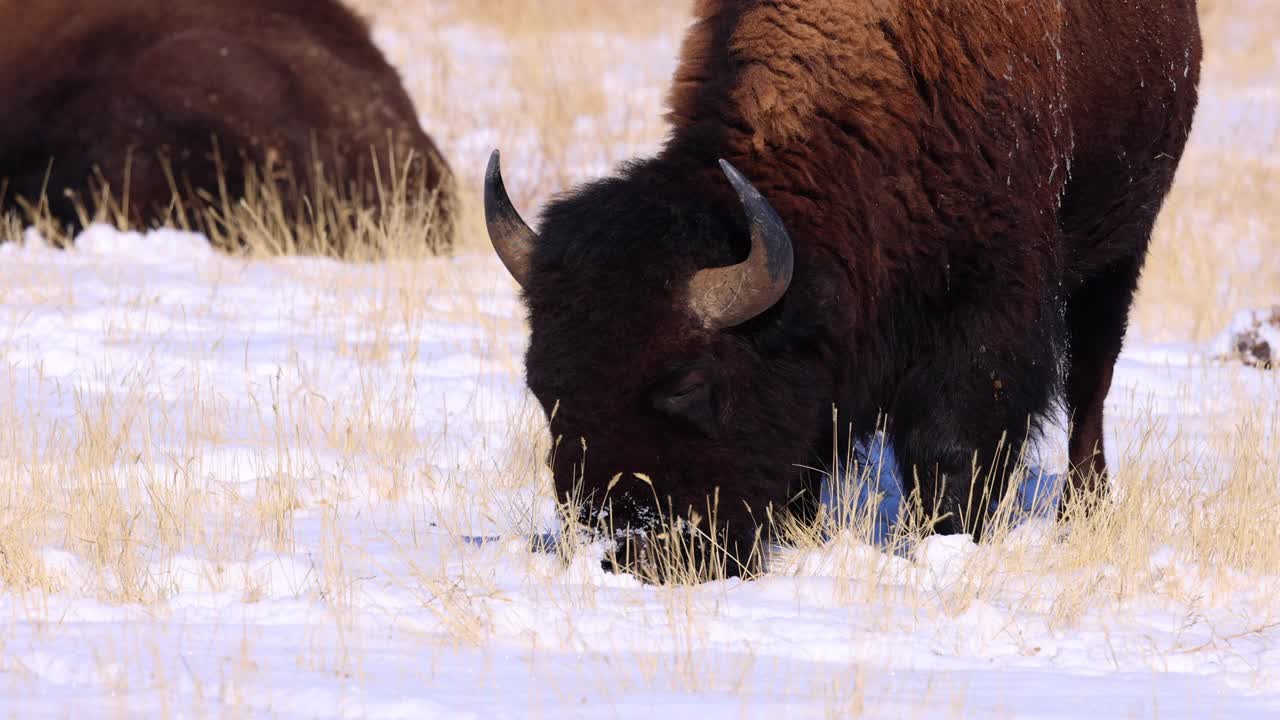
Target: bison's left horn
[(729, 296), (511, 237)]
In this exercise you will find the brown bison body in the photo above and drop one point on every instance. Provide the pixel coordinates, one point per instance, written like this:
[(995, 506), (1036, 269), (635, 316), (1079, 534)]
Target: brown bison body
[(967, 189), (153, 96)]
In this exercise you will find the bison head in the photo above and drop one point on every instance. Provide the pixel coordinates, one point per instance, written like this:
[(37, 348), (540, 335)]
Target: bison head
[(676, 376)]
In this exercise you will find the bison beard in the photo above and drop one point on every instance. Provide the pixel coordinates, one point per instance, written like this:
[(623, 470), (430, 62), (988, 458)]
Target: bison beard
[(966, 191), (178, 102)]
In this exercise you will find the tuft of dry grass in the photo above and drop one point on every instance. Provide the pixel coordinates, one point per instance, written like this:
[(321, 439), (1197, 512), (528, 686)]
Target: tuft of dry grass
[(390, 215)]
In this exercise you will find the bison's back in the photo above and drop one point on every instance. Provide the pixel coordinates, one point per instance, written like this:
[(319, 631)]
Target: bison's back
[(144, 92), (960, 126)]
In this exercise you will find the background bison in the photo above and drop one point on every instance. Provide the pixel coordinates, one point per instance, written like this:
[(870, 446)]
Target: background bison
[(966, 191), (188, 105)]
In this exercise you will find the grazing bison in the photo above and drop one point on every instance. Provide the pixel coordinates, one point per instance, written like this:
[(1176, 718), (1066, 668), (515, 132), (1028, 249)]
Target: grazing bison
[(940, 217), (153, 97)]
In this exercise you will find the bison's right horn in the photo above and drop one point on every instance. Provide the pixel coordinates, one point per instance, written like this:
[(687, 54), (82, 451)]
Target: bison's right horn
[(511, 237), (729, 296)]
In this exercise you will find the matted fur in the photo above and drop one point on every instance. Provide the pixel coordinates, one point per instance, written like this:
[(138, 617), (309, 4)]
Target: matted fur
[(969, 187), (153, 96)]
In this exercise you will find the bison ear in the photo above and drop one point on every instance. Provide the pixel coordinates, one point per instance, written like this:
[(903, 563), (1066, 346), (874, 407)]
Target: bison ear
[(690, 398)]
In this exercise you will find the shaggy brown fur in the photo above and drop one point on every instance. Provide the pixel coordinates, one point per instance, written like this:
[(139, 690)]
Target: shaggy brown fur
[(969, 187), (145, 92)]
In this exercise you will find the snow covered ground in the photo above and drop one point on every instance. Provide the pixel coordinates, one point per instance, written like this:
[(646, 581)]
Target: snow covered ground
[(272, 488), (298, 488)]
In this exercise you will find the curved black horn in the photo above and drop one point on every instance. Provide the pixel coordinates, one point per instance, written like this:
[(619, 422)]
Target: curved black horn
[(729, 296), (511, 237)]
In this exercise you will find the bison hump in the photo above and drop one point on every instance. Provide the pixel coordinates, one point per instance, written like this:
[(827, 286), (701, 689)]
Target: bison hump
[(212, 73)]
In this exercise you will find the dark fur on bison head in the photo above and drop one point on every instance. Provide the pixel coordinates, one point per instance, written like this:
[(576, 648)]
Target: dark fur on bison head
[(177, 105), (692, 388)]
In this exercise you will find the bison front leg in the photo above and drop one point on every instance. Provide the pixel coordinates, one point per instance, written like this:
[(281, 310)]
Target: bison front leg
[(1098, 315)]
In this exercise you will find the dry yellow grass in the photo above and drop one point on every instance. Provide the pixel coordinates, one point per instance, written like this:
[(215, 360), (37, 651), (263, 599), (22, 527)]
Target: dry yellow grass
[(99, 489), (394, 217)]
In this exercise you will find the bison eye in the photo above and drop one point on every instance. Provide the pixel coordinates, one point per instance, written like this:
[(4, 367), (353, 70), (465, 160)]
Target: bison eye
[(688, 398)]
